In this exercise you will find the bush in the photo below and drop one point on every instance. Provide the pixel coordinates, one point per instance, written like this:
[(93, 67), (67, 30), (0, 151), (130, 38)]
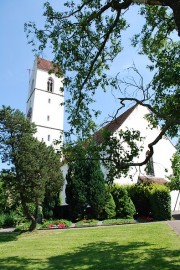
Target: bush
[(124, 205), (7, 220), (160, 201), (86, 223), (118, 221), (139, 196), (2, 218), (60, 223), (109, 208)]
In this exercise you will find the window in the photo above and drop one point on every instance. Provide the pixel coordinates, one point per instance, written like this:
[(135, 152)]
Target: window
[(149, 166), (50, 85), (48, 117), (49, 138), (49, 100)]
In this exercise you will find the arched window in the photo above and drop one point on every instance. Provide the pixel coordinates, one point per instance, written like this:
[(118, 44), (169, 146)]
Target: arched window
[(50, 85)]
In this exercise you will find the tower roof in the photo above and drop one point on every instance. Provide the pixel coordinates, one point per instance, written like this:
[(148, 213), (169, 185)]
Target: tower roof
[(44, 64), (47, 65)]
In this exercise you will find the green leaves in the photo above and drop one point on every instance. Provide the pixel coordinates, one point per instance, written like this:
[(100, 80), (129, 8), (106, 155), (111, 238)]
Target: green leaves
[(34, 167)]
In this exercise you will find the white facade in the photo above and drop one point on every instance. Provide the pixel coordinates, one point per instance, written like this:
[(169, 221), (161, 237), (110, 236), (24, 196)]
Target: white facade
[(163, 150), (44, 103)]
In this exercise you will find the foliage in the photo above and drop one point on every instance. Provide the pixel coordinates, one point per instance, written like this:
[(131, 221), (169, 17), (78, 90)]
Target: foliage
[(109, 207), (86, 223), (118, 221), (124, 205), (60, 223), (160, 201), (86, 39), (85, 181), (4, 203), (34, 168), (139, 196), (7, 220), (175, 177)]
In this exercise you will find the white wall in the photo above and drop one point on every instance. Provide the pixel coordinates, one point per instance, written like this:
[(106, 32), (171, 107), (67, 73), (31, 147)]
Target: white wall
[(47, 108), (163, 151)]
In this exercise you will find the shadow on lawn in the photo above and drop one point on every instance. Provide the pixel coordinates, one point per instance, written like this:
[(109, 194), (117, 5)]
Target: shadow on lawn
[(105, 256), (9, 236)]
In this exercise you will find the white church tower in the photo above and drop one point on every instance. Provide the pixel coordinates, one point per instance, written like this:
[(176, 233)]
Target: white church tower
[(44, 103)]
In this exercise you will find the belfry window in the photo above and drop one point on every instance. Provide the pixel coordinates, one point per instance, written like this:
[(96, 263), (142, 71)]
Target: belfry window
[(49, 138), (50, 85)]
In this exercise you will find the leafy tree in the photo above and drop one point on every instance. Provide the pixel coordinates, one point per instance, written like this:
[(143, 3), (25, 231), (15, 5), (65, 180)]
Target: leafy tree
[(34, 168), (86, 39), (175, 177), (85, 182)]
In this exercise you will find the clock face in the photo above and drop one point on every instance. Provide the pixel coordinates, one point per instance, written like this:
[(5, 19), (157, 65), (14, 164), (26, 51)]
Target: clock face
[(29, 114)]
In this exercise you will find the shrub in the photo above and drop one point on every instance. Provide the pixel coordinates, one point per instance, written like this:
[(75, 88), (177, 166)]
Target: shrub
[(60, 223), (160, 201), (118, 221), (109, 208), (7, 219), (2, 218), (139, 196), (10, 220), (86, 223), (124, 205)]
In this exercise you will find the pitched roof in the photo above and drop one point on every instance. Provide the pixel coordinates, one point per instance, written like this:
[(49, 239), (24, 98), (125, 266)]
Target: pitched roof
[(151, 179), (114, 125), (44, 64), (47, 65)]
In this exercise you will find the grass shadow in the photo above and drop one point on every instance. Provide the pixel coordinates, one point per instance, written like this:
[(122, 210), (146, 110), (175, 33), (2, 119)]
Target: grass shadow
[(107, 256), (9, 236)]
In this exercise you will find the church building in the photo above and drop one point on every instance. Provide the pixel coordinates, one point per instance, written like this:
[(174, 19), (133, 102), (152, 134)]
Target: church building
[(45, 108)]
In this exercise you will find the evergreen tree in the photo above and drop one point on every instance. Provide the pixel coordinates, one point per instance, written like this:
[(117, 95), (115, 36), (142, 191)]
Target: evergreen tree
[(34, 168), (85, 182)]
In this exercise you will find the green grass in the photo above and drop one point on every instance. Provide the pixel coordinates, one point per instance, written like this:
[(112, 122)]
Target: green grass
[(129, 247)]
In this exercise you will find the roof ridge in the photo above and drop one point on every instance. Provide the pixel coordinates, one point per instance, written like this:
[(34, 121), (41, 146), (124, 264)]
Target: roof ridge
[(114, 124)]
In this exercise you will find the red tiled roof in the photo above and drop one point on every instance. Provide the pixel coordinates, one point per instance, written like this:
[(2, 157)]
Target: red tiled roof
[(44, 64), (47, 66), (146, 179), (114, 125)]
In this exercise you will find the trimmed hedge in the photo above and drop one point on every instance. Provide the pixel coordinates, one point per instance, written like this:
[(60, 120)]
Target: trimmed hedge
[(139, 195), (151, 199), (160, 201)]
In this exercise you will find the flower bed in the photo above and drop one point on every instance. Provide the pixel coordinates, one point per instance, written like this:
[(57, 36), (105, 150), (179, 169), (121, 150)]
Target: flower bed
[(56, 224)]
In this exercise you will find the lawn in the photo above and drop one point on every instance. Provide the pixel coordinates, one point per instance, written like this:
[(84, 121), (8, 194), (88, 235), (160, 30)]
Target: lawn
[(143, 246)]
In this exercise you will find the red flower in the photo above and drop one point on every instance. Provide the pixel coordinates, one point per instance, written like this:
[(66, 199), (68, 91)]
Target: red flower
[(61, 225)]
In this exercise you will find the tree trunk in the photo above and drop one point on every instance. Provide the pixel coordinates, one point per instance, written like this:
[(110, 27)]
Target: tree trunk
[(31, 217), (33, 225)]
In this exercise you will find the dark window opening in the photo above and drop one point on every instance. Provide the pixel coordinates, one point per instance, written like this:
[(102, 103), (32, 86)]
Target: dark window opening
[(50, 85)]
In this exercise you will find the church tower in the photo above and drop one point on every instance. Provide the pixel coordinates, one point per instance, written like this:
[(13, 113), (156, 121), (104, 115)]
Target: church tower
[(45, 102)]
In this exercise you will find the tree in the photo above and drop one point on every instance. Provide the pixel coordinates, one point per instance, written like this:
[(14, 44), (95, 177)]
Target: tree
[(85, 181), (85, 40), (175, 177), (34, 168)]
